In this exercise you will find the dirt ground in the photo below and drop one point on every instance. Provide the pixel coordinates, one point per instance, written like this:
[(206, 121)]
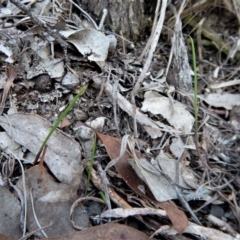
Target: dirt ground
[(140, 101)]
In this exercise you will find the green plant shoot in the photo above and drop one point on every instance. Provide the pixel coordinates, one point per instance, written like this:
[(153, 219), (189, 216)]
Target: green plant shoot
[(91, 162), (103, 197), (63, 115), (195, 86)]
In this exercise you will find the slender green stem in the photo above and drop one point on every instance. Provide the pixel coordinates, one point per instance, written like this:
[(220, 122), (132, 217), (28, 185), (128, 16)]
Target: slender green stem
[(63, 115), (196, 105), (103, 196), (195, 87), (91, 162)]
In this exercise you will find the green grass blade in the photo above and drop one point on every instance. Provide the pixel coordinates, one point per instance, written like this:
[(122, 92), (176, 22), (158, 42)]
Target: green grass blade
[(63, 115), (91, 162), (195, 86), (103, 197)]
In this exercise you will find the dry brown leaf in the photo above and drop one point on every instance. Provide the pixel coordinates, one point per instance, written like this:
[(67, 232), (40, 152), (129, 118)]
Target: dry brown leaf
[(109, 231), (2, 237), (52, 202), (65, 123), (177, 216), (113, 146)]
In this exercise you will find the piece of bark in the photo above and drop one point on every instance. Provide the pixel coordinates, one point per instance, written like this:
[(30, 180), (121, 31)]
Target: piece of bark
[(124, 17)]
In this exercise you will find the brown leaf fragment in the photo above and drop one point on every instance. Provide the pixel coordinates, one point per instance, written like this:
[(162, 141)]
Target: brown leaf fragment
[(177, 216), (113, 146), (51, 201), (65, 123), (2, 237), (109, 231)]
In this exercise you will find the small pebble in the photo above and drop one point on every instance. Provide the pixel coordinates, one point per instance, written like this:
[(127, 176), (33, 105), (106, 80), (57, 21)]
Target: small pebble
[(70, 81)]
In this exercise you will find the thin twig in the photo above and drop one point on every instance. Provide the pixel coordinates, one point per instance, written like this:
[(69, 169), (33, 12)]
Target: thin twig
[(86, 14), (35, 215), (114, 94), (24, 203), (155, 39), (145, 50), (105, 183)]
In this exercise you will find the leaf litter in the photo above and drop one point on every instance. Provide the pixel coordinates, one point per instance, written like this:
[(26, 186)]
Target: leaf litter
[(63, 162), (126, 96)]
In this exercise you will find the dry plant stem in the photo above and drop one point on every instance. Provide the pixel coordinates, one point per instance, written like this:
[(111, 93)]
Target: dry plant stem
[(225, 84), (123, 44), (23, 203), (105, 184), (105, 12), (101, 91), (115, 91), (113, 195), (145, 50), (35, 231), (199, 6), (103, 86), (199, 232), (85, 13), (156, 36), (200, 156), (135, 122), (223, 225), (42, 24), (235, 7), (29, 5), (123, 149), (23, 198), (177, 17), (199, 43), (120, 202), (237, 210), (34, 214)]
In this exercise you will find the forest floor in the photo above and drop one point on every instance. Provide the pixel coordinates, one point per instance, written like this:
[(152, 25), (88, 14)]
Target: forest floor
[(149, 147)]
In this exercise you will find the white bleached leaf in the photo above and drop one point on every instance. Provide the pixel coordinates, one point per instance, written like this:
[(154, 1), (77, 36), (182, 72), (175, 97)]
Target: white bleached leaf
[(3, 79), (175, 112), (9, 214), (7, 51), (63, 155), (10, 147), (89, 42), (169, 166), (123, 213), (54, 67), (225, 100), (158, 185), (177, 147), (5, 11)]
